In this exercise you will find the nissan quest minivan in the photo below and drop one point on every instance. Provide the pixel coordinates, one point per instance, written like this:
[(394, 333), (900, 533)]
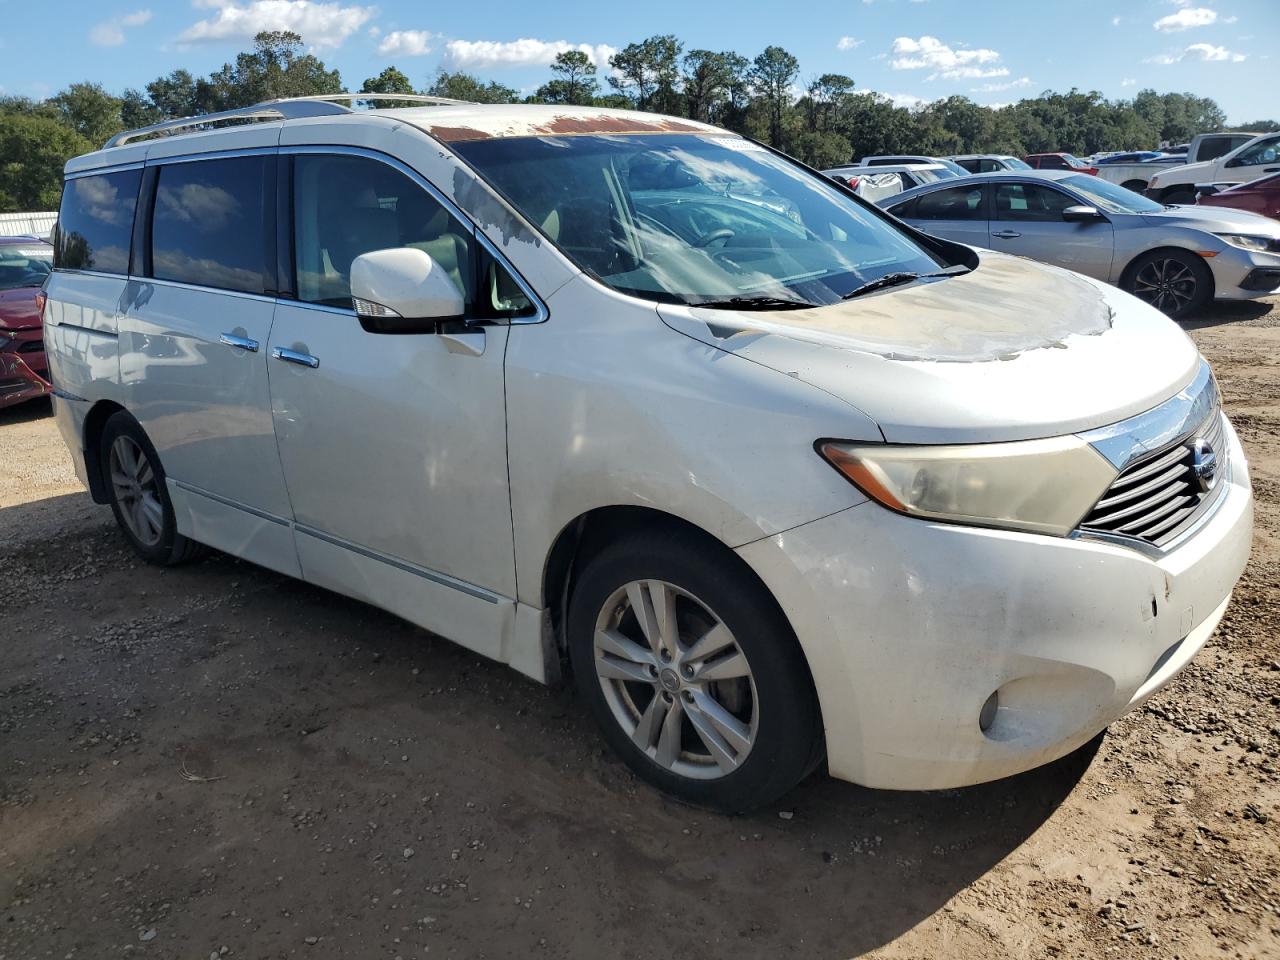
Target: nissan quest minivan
[(774, 477)]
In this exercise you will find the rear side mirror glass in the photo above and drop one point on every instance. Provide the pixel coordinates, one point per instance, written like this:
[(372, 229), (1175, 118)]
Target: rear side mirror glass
[(403, 290), (1080, 214)]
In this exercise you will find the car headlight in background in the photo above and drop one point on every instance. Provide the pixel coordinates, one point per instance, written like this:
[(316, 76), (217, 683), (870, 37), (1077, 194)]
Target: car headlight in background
[(1246, 242), (1041, 486)]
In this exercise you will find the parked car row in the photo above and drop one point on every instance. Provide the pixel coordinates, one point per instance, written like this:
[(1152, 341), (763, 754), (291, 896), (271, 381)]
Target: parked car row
[(25, 263), (1175, 258)]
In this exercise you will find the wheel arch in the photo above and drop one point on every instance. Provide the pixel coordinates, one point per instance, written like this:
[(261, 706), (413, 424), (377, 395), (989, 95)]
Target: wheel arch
[(591, 531), (94, 421), (1126, 275), (1135, 184)]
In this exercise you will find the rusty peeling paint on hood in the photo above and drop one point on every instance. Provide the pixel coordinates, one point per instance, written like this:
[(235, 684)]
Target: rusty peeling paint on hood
[(461, 123), (1001, 310)]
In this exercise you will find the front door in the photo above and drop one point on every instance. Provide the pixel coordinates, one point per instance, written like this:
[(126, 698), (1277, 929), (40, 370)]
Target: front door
[(394, 446), (956, 213), (1027, 220)]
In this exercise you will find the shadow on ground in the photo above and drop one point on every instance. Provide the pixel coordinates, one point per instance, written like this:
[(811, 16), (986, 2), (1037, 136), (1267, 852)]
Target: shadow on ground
[(230, 757)]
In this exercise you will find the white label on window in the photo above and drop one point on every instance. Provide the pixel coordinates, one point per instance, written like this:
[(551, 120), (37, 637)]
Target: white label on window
[(736, 143)]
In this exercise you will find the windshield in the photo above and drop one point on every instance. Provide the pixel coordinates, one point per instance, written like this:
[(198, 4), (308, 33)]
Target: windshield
[(24, 265), (1110, 198), (1013, 163), (934, 174), (681, 218)]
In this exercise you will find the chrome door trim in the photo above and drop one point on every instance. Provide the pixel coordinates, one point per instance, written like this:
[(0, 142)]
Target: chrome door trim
[(295, 356), (227, 502), (243, 343), (462, 586), (320, 307), (180, 285), (210, 155), (97, 171)]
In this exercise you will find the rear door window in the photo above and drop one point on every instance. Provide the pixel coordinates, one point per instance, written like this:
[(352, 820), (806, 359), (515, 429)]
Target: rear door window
[(1029, 202), (209, 227), (955, 203), (95, 223)]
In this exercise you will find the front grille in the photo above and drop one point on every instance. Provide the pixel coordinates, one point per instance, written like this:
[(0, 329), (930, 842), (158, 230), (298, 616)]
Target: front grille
[(1159, 495)]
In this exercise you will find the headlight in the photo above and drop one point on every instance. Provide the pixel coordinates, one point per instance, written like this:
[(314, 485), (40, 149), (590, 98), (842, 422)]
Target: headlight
[(1246, 242), (1042, 486)]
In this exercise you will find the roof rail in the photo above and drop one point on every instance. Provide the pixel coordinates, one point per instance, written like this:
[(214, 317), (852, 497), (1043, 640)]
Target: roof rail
[(287, 108)]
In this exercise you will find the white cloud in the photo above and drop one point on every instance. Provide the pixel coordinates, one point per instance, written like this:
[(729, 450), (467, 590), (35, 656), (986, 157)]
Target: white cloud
[(1198, 51), (525, 52), (1179, 3), (319, 24), (110, 33), (946, 62), (1231, 19), (1007, 85), (1115, 21), (1128, 82), (908, 100), (406, 43), (1186, 19), (848, 43)]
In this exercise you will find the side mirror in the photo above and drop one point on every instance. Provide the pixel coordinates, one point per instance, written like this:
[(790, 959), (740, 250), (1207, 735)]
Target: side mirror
[(403, 290), (1081, 214), (1234, 162)]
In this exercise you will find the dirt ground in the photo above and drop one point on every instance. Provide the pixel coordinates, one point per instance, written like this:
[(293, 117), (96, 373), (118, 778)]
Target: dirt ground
[(216, 761)]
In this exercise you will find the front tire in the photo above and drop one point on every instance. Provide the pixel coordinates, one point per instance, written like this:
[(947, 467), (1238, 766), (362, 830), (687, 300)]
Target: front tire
[(1175, 282), (692, 672), (139, 496)]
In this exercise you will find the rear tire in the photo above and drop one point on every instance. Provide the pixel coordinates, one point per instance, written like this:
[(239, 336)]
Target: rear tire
[(692, 672), (1175, 282), (134, 480)]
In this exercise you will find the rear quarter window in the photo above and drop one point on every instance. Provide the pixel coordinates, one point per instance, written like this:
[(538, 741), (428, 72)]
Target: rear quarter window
[(95, 222)]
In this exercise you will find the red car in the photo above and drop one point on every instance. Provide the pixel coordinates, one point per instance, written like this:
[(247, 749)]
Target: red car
[(1260, 196), (24, 372), (1058, 161)]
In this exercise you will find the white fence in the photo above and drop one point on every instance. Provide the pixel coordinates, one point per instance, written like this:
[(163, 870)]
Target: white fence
[(27, 224)]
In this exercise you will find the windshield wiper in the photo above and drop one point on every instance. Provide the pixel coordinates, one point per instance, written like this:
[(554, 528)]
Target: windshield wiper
[(895, 279), (755, 303)]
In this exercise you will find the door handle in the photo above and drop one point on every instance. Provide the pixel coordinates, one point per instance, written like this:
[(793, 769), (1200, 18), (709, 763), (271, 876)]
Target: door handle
[(1006, 234), (295, 356), (244, 343)]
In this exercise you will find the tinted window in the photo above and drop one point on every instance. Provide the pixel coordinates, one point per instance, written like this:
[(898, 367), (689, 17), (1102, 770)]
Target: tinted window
[(1213, 147), (209, 226), (1264, 151), (345, 206), (95, 223), (957, 203), (1025, 201), (974, 166)]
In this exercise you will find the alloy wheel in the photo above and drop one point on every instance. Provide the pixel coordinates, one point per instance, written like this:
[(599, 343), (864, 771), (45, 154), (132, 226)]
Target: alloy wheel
[(133, 482), (1167, 284), (676, 680)]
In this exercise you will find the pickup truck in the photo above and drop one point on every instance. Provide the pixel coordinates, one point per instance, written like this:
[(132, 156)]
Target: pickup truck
[(1206, 146), (1257, 158)]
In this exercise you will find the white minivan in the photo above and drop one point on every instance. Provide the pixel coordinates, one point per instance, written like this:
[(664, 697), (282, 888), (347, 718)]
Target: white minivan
[(774, 477)]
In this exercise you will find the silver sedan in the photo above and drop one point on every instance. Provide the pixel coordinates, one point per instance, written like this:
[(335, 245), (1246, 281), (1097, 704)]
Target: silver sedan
[(1174, 257)]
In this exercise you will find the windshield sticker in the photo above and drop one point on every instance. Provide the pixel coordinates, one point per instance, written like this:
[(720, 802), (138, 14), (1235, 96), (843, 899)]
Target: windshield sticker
[(735, 143)]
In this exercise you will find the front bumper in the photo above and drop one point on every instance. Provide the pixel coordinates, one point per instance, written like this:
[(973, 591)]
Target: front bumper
[(19, 378), (1244, 274), (910, 626)]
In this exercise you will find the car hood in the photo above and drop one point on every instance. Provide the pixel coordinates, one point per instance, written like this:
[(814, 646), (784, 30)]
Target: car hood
[(18, 308), (1185, 172), (1217, 220), (1013, 350)]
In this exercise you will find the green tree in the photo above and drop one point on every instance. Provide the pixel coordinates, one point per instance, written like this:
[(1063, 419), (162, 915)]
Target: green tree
[(772, 74), (389, 80), (178, 94), (137, 110), (276, 67), (711, 81), (33, 151), (88, 110), (648, 72), (465, 86), (575, 80)]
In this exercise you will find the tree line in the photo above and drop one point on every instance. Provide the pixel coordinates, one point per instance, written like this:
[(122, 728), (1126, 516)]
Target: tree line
[(824, 121)]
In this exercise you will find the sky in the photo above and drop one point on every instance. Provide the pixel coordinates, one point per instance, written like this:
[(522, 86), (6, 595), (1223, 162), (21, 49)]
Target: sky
[(993, 51)]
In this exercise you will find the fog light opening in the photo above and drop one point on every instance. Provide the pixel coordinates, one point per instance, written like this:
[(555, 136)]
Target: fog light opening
[(987, 715)]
